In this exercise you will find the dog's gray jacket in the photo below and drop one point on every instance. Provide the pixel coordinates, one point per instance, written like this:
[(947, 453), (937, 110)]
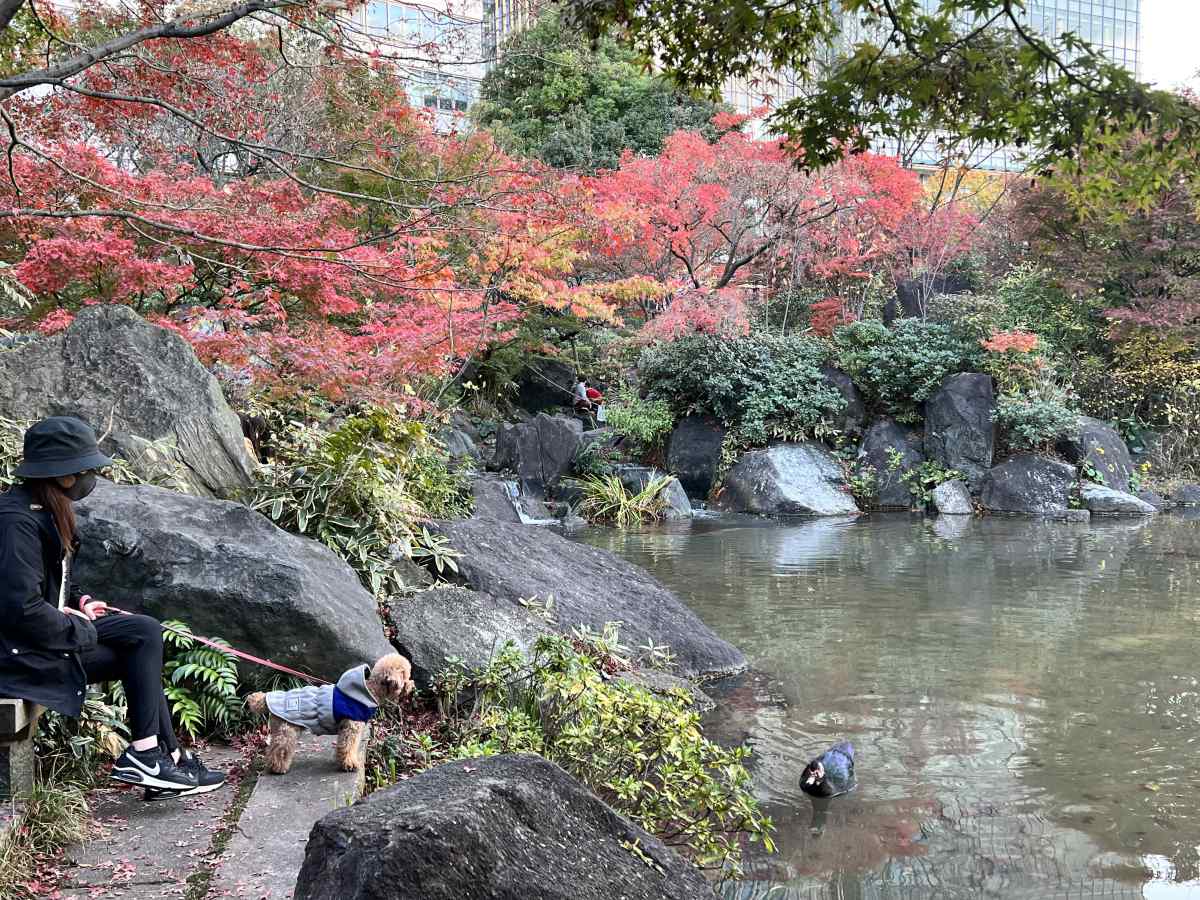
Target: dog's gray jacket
[(312, 707)]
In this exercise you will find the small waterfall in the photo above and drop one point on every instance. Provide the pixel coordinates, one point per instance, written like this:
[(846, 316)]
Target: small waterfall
[(530, 510)]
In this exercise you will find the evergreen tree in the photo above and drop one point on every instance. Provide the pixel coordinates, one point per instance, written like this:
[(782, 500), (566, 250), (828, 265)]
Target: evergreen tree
[(556, 97)]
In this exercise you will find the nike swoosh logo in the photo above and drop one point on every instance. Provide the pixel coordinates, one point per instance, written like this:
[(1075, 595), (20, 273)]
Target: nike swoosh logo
[(138, 767)]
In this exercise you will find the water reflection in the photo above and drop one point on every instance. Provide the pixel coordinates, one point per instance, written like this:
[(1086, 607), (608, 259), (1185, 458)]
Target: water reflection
[(1024, 698)]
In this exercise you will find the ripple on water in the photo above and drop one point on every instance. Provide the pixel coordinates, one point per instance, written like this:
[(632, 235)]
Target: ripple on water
[(1024, 698)]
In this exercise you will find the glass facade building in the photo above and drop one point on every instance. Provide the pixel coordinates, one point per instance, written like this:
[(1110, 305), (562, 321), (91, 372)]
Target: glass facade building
[(438, 47), (1112, 27)]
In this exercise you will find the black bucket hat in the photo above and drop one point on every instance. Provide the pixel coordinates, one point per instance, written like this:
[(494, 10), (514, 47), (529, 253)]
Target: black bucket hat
[(59, 446)]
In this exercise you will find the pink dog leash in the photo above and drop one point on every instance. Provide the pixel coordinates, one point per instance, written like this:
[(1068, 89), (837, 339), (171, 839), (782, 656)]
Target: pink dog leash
[(241, 654)]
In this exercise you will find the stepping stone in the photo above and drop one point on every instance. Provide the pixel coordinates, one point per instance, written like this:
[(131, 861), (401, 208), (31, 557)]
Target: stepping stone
[(267, 849), (147, 850)]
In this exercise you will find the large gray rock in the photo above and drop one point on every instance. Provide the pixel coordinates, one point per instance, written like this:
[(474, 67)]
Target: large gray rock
[(1030, 485), (512, 827), (1098, 445), (453, 622), (590, 587), (540, 451), (694, 454), (953, 498), (787, 480), (227, 571), (959, 431), (881, 439), (635, 478), (460, 438), (546, 385), (853, 417), (140, 384), (1105, 501)]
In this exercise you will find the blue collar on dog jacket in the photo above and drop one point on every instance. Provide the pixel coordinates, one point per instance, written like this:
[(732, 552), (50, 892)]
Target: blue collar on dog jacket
[(319, 709)]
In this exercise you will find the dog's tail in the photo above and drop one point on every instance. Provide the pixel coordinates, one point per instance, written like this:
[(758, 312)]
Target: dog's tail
[(257, 702)]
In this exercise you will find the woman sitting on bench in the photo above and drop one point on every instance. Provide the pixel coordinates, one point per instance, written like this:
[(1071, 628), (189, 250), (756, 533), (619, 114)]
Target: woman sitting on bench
[(50, 650)]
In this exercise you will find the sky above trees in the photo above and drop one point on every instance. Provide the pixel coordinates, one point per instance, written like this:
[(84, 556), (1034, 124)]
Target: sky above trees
[(1170, 29)]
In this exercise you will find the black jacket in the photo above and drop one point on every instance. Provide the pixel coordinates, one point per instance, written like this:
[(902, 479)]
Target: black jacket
[(39, 644)]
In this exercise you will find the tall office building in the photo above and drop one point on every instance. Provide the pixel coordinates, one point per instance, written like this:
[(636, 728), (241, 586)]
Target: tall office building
[(503, 18), (437, 48), (1112, 27)]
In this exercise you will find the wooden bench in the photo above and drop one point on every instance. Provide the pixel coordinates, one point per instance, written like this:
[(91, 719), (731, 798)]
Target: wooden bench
[(18, 722)]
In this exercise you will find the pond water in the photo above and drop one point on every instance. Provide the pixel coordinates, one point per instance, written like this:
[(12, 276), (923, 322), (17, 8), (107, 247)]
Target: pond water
[(1024, 698)]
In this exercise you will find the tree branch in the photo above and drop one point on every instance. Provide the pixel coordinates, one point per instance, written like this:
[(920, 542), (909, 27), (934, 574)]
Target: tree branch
[(175, 29)]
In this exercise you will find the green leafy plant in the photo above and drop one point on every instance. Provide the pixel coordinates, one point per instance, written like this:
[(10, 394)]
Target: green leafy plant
[(923, 479), (761, 386), (643, 753), (363, 490), (1090, 473), (1138, 477), (899, 368), (608, 501), (646, 422), (433, 550), (74, 748), (595, 459), (864, 483), (201, 682)]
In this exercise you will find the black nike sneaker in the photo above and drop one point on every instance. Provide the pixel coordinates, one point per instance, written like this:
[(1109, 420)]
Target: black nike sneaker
[(206, 779), (152, 769)]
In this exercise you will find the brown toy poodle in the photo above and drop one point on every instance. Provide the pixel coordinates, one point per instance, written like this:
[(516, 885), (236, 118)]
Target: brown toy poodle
[(342, 709)]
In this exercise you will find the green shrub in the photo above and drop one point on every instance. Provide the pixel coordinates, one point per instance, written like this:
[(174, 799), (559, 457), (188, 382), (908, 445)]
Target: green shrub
[(645, 422), (761, 386), (1035, 419), (1032, 300), (362, 490), (922, 480), (974, 316), (899, 368), (642, 753)]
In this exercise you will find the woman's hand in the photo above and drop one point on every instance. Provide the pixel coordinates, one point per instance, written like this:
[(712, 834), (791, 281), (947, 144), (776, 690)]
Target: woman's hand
[(92, 609)]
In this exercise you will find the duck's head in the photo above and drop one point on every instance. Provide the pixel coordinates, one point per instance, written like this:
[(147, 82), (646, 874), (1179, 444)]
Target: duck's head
[(814, 774)]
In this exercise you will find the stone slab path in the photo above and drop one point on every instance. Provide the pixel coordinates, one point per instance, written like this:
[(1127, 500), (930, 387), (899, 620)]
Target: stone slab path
[(144, 850), (266, 851), (169, 849)]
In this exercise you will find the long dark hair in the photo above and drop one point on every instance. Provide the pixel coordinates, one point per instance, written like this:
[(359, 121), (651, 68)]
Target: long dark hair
[(47, 492)]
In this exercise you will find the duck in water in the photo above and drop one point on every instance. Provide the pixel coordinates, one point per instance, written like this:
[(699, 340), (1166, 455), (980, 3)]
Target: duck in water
[(831, 773)]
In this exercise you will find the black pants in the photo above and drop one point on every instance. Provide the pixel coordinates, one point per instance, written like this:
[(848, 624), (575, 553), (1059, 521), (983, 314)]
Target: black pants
[(130, 650)]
